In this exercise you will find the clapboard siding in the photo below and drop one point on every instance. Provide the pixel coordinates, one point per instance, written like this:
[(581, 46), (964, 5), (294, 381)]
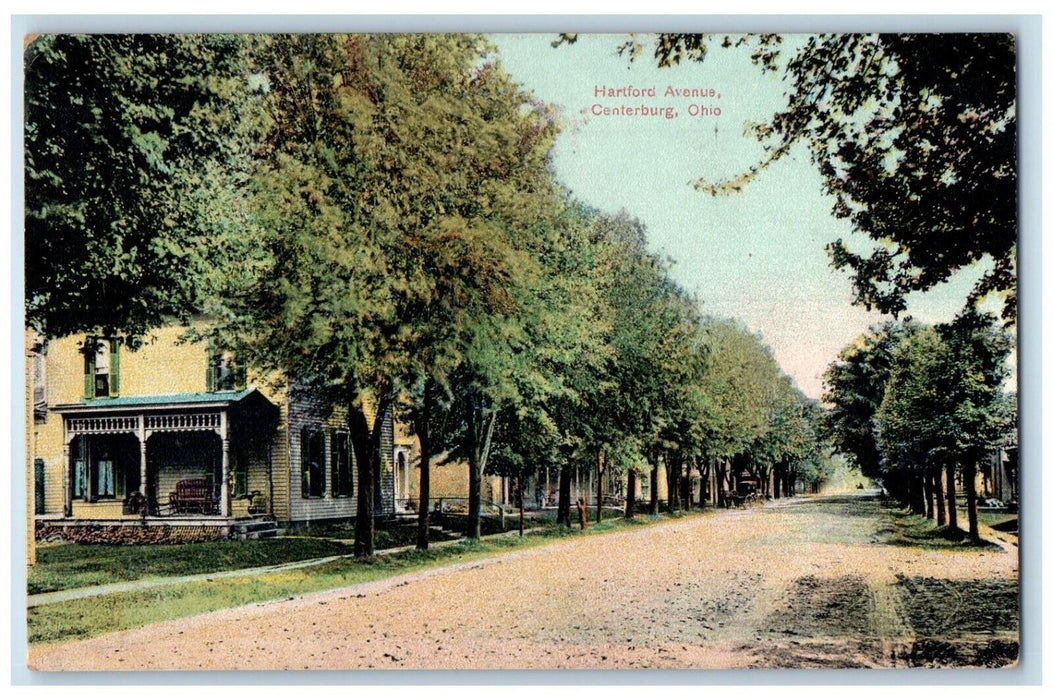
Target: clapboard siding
[(307, 412), (280, 447)]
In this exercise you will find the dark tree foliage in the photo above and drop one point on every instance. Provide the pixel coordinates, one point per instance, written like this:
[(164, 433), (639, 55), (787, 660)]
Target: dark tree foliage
[(915, 138), (119, 131), (855, 387), (945, 404)]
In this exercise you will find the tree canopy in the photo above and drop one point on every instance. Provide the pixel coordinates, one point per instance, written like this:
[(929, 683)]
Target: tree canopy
[(855, 387), (373, 219), (915, 138), (122, 133), (395, 209)]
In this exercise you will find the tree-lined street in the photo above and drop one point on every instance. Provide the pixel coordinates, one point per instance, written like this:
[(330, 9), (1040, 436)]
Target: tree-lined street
[(389, 226), (803, 582)]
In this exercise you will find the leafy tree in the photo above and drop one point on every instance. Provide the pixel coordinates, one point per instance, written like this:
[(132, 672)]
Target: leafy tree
[(908, 418), (944, 404), (915, 138), (124, 136), (660, 357), (738, 384), (854, 388), (556, 369), (976, 414), (383, 207), (789, 439)]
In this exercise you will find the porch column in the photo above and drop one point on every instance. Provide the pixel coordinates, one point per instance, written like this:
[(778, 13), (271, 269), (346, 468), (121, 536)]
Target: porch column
[(142, 456), (67, 480), (224, 486)]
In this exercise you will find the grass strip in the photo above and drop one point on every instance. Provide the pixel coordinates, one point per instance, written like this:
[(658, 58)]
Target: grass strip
[(66, 566), (904, 529), (90, 617)]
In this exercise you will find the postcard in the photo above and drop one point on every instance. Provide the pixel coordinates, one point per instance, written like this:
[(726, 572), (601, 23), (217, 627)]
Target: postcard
[(521, 351)]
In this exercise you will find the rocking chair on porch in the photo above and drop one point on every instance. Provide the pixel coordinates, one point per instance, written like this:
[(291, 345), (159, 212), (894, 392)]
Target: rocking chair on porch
[(192, 496)]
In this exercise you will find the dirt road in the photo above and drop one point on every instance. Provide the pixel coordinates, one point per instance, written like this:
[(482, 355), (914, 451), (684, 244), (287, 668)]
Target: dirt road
[(796, 583)]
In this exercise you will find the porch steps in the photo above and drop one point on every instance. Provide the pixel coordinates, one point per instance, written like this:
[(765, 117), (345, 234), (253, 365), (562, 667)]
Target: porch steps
[(259, 529), (446, 534)]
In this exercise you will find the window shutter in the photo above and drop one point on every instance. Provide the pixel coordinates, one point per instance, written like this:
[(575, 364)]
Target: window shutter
[(305, 451), (334, 464), (89, 367), (210, 367), (115, 367)]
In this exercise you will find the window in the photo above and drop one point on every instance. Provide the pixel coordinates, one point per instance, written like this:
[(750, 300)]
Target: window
[(104, 485), (80, 468), (101, 367), (224, 374), (341, 464), (312, 463), (40, 379), (104, 467)]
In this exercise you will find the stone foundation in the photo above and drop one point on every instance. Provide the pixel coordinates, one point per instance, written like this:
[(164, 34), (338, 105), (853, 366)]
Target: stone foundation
[(130, 534)]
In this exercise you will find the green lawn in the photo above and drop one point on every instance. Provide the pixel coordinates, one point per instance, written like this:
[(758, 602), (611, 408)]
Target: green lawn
[(993, 519), (89, 617), (907, 530), (404, 533), (65, 566)]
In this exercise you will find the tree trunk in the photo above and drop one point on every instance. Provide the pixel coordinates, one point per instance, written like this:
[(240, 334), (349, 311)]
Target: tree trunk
[(721, 478), (969, 477), (941, 508), (479, 433), (563, 508), (366, 444), (703, 481), (672, 480), (630, 496), (952, 498), (599, 485), (519, 483), (670, 485), (917, 496), (654, 486), (422, 428), (689, 490), (475, 492), (927, 486)]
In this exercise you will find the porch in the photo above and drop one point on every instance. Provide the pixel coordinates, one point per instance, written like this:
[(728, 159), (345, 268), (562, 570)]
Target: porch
[(187, 460)]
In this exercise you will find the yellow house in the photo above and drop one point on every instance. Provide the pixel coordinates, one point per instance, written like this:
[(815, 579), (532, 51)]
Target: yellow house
[(171, 434), (175, 439)]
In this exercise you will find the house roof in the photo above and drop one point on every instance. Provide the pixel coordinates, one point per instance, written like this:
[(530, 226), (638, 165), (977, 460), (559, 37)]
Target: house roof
[(218, 399)]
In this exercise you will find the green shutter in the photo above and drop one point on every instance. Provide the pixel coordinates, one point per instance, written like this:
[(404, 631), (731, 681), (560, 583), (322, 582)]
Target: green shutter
[(210, 372), (89, 367), (115, 367)]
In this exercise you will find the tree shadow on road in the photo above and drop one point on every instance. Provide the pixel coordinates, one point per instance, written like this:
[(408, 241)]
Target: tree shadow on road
[(903, 529)]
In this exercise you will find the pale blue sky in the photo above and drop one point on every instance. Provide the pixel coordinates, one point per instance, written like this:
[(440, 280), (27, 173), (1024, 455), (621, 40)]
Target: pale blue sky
[(758, 254)]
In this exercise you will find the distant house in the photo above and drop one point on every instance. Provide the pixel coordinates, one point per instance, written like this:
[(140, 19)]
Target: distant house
[(174, 435), (999, 475)]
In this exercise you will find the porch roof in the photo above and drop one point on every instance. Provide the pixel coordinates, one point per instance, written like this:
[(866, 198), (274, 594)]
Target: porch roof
[(216, 399)]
